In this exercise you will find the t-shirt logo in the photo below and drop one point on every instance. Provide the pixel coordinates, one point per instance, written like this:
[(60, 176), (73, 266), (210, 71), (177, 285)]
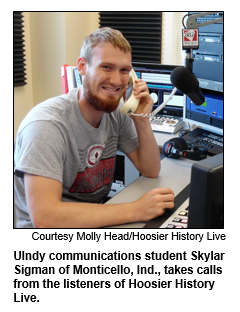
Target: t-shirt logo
[(94, 155), (98, 174)]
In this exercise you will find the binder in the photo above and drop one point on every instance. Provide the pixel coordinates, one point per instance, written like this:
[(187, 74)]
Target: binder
[(77, 77), (71, 78), (64, 79)]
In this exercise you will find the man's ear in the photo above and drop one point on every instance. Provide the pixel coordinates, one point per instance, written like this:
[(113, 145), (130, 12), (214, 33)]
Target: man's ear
[(81, 65)]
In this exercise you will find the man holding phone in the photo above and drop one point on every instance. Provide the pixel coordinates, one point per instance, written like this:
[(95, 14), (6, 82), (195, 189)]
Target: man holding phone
[(66, 146)]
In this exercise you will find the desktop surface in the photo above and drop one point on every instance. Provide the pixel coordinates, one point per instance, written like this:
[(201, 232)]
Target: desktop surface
[(174, 173)]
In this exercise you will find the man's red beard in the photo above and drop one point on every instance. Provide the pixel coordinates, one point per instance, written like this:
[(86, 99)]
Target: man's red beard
[(109, 105)]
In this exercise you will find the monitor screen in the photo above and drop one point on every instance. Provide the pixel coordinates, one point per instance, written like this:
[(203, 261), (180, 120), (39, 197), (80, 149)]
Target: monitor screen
[(157, 77)]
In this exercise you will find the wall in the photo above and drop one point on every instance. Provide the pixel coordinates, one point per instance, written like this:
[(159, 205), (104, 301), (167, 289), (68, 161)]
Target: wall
[(48, 52), (74, 25)]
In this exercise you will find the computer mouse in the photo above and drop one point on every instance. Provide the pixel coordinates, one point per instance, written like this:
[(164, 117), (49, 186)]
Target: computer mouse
[(183, 132)]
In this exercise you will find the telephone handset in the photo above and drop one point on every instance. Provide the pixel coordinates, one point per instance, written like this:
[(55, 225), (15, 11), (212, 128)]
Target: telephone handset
[(132, 102)]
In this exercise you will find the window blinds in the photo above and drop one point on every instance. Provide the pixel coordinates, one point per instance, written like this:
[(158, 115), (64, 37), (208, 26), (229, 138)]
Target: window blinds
[(18, 50)]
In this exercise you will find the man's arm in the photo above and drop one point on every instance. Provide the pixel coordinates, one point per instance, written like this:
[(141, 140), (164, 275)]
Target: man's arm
[(48, 211), (147, 157)]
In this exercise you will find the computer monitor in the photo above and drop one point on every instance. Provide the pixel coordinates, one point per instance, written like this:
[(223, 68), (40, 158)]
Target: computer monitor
[(157, 77), (206, 206)]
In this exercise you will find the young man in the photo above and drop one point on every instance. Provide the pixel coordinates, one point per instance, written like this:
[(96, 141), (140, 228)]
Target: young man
[(66, 146)]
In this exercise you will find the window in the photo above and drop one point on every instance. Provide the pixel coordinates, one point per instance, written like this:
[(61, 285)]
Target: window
[(143, 30), (18, 50)]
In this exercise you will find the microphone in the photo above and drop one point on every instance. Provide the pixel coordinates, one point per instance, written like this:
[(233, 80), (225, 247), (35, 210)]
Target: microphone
[(187, 83)]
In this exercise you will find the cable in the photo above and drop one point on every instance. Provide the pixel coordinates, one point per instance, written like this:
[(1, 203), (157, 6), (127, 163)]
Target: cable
[(159, 107), (184, 18)]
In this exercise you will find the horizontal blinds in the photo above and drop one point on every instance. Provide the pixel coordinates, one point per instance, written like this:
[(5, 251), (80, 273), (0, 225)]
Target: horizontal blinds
[(143, 30), (18, 50)]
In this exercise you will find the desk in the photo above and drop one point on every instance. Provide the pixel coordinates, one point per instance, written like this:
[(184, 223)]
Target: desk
[(162, 137), (175, 173)]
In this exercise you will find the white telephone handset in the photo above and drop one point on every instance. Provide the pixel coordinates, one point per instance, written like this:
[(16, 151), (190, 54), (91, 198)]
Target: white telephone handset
[(132, 103)]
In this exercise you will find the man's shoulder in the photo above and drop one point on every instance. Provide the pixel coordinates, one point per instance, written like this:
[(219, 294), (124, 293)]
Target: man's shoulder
[(52, 110)]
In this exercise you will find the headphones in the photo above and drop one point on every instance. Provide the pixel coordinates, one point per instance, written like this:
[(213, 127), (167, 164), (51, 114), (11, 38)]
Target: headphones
[(177, 147)]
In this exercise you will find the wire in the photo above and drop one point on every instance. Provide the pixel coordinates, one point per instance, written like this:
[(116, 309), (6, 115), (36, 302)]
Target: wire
[(159, 107), (184, 18)]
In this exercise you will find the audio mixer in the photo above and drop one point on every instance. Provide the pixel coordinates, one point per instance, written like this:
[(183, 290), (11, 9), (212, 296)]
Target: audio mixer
[(169, 124)]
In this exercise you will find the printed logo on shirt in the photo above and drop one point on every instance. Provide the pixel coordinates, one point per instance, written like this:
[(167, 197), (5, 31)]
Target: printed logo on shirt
[(94, 178), (94, 155)]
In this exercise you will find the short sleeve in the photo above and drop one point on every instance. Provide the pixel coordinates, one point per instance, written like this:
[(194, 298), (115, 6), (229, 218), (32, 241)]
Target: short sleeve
[(40, 150)]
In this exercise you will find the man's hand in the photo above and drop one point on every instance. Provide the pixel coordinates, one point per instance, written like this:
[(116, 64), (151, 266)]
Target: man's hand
[(154, 203), (141, 92)]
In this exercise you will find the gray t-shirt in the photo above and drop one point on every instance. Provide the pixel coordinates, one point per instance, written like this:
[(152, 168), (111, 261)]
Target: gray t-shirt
[(55, 141)]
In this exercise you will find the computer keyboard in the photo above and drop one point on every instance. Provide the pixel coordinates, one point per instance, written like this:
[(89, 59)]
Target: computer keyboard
[(204, 138)]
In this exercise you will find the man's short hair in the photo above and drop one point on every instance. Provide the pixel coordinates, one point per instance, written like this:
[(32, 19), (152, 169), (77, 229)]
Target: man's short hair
[(100, 36)]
